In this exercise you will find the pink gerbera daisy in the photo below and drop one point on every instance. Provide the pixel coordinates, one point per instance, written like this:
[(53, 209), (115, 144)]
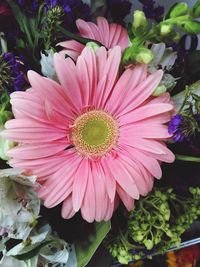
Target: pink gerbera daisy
[(109, 35), (93, 138)]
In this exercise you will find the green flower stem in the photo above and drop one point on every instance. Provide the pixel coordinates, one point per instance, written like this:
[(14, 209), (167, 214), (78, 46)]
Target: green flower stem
[(187, 158)]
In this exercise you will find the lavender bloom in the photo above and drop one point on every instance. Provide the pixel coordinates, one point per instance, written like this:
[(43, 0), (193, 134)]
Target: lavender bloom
[(181, 127), (16, 71), (29, 6), (119, 9), (152, 12)]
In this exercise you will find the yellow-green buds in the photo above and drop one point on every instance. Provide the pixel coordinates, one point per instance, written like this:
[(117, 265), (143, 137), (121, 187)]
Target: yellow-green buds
[(178, 10), (192, 27), (145, 56), (139, 21), (93, 45), (159, 90), (165, 29)]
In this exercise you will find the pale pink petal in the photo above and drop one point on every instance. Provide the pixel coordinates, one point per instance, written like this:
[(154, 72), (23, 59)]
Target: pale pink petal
[(80, 184), (103, 26), (144, 112), (99, 191), (149, 163), (126, 199), (50, 90), (35, 151), (109, 211), (134, 172), (67, 208), (109, 179), (88, 208), (85, 29), (152, 146), (72, 49), (111, 67), (119, 171), (67, 74), (125, 85), (141, 92), (87, 75)]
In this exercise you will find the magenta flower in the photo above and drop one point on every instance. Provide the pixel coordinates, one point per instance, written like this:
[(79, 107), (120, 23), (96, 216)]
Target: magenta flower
[(109, 35), (93, 138)]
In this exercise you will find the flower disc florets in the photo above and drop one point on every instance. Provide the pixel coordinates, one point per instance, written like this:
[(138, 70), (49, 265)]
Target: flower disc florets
[(94, 133)]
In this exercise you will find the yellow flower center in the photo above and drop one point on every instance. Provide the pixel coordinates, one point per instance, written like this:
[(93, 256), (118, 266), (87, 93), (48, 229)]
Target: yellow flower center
[(94, 133)]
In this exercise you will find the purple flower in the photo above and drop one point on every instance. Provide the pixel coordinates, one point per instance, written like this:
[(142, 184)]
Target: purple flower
[(119, 9), (181, 127), (16, 72), (151, 11), (29, 6)]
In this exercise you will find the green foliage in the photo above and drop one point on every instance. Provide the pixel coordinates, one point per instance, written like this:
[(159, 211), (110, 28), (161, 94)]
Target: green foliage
[(34, 252), (5, 114), (156, 224), (53, 19), (32, 30), (180, 18), (85, 249)]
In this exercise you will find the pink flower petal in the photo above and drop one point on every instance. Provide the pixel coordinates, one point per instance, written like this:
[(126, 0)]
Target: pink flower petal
[(145, 112), (126, 199), (67, 208), (88, 208), (80, 184), (141, 92), (119, 171)]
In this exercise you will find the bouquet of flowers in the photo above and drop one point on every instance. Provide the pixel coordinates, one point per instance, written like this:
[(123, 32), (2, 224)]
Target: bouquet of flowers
[(95, 107)]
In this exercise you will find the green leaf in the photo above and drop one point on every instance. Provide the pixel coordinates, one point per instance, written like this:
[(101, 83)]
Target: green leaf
[(86, 249), (32, 253)]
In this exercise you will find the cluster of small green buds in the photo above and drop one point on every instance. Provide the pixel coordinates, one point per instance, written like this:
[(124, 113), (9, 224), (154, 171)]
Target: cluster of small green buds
[(119, 251), (179, 18), (54, 18), (6, 79), (140, 55), (158, 221)]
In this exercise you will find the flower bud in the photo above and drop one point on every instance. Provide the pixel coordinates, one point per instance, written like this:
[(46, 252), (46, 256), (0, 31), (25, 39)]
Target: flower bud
[(140, 21), (93, 45), (192, 27), (159, 90), (148, 244), (178, 10), (145, 56), (165, 29)]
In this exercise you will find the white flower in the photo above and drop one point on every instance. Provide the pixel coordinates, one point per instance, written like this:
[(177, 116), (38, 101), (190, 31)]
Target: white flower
[(47, 64), (5, 145), (164, 57), (180, 97), (12, 262), (19, 205)]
